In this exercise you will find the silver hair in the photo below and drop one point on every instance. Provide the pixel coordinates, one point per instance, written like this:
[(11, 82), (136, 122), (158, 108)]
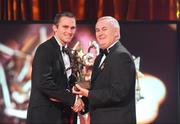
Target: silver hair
[(113, 21)]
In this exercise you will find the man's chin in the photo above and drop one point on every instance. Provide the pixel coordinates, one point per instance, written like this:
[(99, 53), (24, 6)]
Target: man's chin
[(68, 40), (102, 46)]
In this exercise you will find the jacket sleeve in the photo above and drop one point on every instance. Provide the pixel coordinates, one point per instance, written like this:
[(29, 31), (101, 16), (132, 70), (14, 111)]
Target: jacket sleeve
[(44, 78)]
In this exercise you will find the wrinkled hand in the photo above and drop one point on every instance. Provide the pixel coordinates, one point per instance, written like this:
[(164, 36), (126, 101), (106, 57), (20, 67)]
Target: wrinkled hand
[(78, 105), (77, 89)]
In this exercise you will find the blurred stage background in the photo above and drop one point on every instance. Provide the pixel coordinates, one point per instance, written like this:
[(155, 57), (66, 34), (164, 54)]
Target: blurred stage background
[(90, 9), (149, 29)]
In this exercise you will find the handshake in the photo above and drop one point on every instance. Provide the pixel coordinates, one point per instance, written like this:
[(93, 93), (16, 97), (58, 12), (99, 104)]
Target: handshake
[(79, 91)]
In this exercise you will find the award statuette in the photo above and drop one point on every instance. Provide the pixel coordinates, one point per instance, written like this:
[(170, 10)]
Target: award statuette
[(81, 65), (80, 70)]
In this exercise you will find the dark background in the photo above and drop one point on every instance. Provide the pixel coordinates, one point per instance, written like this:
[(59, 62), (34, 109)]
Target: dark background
[(157, 43)]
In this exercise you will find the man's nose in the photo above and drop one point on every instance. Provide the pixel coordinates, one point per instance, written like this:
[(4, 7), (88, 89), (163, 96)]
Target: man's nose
[(69, 30), (100, 34)]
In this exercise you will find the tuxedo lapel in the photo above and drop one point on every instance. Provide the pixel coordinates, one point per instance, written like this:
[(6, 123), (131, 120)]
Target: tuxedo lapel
[(96, 70), (96, 67), (58, 52), (61, 59)]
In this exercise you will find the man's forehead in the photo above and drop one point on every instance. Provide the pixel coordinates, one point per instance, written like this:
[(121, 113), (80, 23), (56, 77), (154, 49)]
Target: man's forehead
[(67, 20), (103, 23)]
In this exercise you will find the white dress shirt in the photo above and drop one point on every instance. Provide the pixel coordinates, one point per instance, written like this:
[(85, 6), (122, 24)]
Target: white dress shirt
[(66, 59), (104, 56)]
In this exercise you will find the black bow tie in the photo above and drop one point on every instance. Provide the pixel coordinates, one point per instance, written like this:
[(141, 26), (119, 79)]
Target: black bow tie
[(104, 52), (64, 50)]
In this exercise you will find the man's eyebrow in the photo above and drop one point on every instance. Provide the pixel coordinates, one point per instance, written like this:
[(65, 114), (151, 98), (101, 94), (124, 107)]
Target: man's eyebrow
[(73, 27), (96, 29), (101, 27), (69, 26), (104, 27)]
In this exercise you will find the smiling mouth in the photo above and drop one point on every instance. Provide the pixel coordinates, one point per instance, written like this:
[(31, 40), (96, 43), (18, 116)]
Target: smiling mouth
[(68, 37), (101, 38)]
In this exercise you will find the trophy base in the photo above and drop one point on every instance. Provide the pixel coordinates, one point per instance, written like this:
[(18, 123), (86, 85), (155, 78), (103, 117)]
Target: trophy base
[(84, 84)]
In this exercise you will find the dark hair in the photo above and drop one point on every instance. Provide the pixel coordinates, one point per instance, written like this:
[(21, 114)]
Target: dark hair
[(63, 14)]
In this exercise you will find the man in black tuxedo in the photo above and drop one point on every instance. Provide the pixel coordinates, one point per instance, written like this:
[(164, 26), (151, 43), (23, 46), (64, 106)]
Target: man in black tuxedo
[(51, 100), (112, 92)]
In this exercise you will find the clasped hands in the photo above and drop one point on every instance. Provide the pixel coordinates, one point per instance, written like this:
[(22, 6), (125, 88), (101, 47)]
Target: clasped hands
[(79, 91)]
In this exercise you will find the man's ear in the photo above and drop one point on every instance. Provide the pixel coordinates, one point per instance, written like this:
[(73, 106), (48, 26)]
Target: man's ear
[(117, 33), (54, 27)]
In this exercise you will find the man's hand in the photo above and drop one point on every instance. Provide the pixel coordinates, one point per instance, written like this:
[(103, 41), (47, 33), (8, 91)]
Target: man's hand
[(78, 105), (77, 89)]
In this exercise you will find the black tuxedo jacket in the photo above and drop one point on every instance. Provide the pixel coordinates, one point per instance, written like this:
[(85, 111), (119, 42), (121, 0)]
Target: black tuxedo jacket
[(49, 80), (112, 92)]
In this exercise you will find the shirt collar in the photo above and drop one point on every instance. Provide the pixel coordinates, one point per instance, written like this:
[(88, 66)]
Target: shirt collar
[(112, 45), (60, 43)]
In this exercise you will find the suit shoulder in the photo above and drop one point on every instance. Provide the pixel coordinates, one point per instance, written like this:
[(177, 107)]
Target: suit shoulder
[(122, 52), (46, 46)]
